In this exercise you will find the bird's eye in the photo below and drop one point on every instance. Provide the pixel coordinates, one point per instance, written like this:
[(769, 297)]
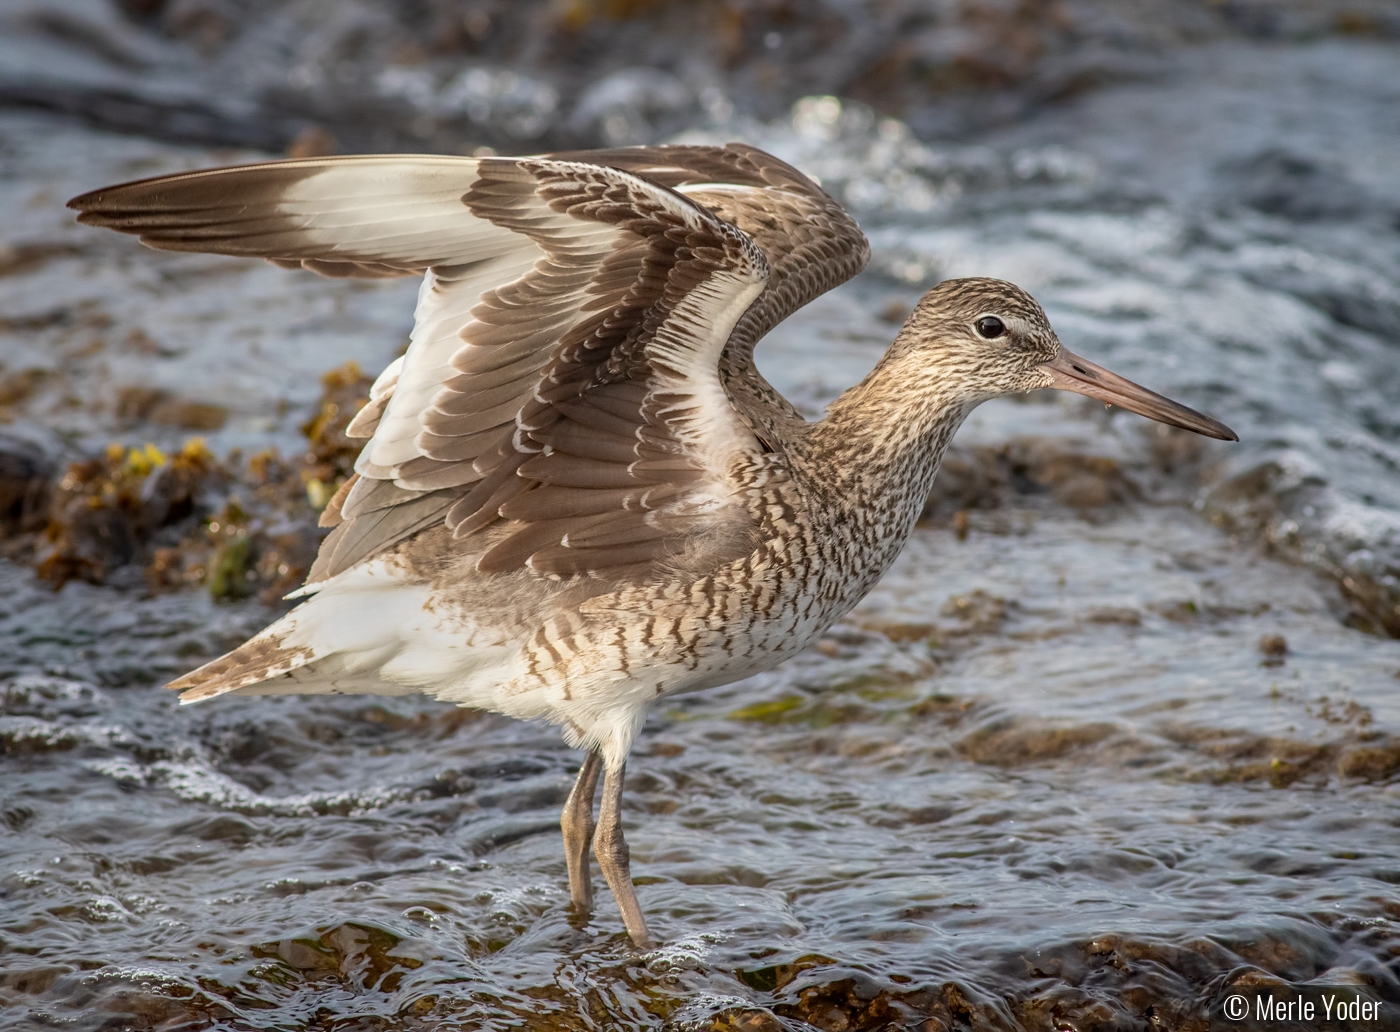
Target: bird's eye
[(990, 326)]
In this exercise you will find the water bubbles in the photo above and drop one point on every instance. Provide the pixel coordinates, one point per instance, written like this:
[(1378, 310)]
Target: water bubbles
[(472, 93), (718, 107), (1051, 165), (817, 116), (686, 954), (414, 85), (422, 915), (906, 270), (1363, 560), (893, 130), (876, 165), (618, 128), (103, 909)]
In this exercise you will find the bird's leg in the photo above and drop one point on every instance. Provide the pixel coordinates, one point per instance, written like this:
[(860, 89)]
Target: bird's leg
[(615, 860), (577, 823)]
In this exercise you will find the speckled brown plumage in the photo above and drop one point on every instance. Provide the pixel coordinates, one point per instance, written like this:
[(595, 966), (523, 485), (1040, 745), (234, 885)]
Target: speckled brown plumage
[(578, 492)]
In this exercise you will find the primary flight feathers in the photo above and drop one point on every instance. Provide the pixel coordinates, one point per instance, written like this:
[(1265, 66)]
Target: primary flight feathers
[(567, 367)]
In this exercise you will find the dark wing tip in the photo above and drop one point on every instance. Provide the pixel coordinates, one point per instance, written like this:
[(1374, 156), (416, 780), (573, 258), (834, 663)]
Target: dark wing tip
[(107, 200), (104, 207), (85, 203)]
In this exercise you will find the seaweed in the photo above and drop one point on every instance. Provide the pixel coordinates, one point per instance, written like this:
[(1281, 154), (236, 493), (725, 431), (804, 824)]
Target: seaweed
[(137, 516)]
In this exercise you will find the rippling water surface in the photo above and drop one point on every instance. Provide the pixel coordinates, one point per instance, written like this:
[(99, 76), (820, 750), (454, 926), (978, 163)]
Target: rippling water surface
[(1045, 776)]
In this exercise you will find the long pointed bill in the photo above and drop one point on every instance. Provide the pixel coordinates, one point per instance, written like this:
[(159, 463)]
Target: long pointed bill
[(1072, 373)]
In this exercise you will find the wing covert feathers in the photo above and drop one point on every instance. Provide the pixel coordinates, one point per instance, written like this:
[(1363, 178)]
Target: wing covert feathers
[(579, 372)]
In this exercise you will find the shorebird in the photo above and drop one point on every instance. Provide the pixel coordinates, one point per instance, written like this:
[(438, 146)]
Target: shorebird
[(578, 493)]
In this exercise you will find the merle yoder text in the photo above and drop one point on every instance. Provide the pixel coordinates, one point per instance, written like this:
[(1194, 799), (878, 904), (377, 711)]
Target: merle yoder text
[(1269, 1008), (1306, 1007)]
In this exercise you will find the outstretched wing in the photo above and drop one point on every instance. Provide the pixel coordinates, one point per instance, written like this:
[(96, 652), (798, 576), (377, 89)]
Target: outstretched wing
[(563, 372), (812, 244)]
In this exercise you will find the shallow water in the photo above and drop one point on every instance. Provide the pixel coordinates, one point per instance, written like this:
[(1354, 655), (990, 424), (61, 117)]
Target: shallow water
[(1044, 765), (1044, 776), (1228, 232)]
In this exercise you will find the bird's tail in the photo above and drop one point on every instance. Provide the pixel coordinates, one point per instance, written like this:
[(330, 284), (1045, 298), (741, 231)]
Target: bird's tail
[(365, 630), (262, 658)]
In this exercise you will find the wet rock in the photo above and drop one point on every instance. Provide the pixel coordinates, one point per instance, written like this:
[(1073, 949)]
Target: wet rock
[(1292, 186), (187, 415), (902, 818), (961, 523), (1373, 604), (31, 981), (104, 511), (1183, 611), (1371, 762), (968, 479), (135, 402), (230, 573), (306, 958), (746, 1020), (773, 977), (35, 737), (1283, 761), (1269, 503), (895, 311), (18, 386), (1085, 481), (23, 256), (385, 77), (1026, 472), (978, 611), (897, 631), (331, 458), (238, 528), (1174, 451), (25, 487), (1015, 741), (1115, 615), (1352, 713), (1273, 647), (207, 25)]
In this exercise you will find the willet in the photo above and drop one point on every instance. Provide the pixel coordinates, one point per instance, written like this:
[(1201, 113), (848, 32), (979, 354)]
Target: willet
[(578, 494)]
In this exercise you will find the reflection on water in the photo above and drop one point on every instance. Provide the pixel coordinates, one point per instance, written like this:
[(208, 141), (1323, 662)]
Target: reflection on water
[(1079, 761)]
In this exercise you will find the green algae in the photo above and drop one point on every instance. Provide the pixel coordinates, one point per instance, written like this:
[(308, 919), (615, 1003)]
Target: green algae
[(771, 712), (230, 568)]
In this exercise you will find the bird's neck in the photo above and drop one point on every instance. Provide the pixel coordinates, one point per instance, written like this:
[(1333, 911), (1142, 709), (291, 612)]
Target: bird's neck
[(878, 449)]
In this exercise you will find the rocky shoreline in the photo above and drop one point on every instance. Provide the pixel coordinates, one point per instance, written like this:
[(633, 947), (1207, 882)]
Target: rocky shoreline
[(1119, 731)]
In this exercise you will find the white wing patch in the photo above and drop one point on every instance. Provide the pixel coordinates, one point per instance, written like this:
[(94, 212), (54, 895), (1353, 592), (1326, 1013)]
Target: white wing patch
[(405, 209), (439, 322), (685, 355)]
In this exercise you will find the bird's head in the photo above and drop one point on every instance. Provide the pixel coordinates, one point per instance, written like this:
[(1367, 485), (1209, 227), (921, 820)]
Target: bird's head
[(988, 338)]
